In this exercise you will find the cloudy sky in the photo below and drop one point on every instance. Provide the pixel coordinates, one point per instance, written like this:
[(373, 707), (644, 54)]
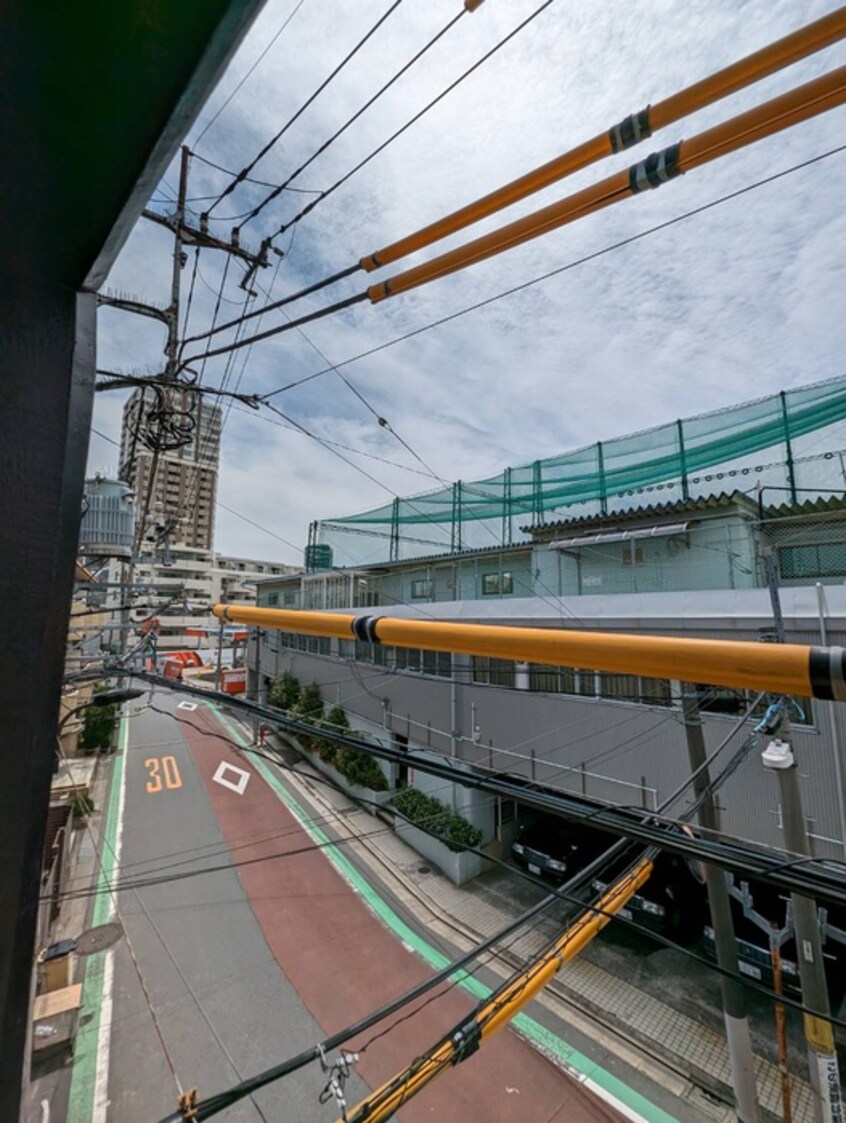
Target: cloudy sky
[(740, 301)]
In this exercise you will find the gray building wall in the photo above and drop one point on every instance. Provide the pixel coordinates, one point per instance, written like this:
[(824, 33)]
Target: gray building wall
[(627, 753), (693, 570)]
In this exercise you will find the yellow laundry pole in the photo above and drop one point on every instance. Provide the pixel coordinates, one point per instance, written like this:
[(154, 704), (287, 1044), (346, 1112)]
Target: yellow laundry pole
[(787, 668)]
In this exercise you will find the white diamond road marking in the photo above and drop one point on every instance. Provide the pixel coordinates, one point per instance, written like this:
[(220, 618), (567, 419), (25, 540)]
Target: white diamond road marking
[(239, 786), (187, 706)]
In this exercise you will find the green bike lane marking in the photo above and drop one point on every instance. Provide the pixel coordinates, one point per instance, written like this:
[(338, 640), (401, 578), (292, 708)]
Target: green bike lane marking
[(84, 1074), (627, 1099)]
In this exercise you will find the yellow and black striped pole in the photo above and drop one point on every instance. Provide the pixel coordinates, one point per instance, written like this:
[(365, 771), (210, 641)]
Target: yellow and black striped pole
[(790, 668), (639, 126), (501, 1008), (791, 108)]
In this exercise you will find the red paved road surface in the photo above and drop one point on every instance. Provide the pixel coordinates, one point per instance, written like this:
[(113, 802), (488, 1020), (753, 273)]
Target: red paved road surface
[(344, 963)]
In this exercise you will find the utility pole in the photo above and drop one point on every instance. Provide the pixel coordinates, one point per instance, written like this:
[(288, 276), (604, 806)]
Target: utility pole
[(256, 721), (735, 1015), (819, 1034), (184, 235), (172, 345), (219, 656)]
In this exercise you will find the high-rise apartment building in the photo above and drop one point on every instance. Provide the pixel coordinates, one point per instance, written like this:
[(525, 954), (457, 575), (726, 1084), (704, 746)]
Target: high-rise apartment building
[(175, 489)]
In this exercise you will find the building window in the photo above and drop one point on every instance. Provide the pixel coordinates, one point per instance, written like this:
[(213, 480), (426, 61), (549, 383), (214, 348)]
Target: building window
[(827, 559), (632, 555), (493, 672), (289, 599), (497, 584), (421, 589), (408, 659), (552, 680), (620, 688), (655, 692), (272, 599), (437, 663)]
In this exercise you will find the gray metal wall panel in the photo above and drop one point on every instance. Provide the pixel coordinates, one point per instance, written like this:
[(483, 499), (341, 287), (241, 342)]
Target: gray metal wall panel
[(625, 753)]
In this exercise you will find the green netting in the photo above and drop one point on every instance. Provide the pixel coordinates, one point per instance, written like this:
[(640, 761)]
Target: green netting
[(671, 456)]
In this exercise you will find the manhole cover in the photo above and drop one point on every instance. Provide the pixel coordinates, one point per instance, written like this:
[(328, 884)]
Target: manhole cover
[(99, 938), (423, 869)]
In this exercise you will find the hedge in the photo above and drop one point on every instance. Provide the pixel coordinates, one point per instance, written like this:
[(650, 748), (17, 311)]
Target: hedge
[(437, 818)]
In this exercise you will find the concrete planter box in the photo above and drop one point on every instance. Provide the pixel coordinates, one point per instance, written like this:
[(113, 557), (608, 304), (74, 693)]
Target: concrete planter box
[(457, 867), (352, 790)]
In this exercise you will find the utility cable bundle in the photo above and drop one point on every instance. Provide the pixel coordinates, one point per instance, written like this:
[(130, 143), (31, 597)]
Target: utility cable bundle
[(793, 107)]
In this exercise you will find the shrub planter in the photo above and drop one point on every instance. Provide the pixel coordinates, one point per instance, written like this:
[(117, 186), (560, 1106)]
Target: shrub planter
[(458, 867), (355, 791)]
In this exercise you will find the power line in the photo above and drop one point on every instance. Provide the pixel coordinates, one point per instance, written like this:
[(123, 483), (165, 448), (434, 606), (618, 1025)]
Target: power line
[(330, 309), (338, 444), (250, 215), (324, 194), (284, 24), (561, 269), (413, 120), (298, 295), (382, 421), (236, 345), (218, 503), (124, 381), (220, 1101), (270, 144), (818, 880), (329, 448)]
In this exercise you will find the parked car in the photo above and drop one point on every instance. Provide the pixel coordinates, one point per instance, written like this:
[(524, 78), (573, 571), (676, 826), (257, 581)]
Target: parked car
[(672, 902)]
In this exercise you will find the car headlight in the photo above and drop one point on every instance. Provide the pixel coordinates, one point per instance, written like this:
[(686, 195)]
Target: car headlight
[(556, 866), (518, 848)]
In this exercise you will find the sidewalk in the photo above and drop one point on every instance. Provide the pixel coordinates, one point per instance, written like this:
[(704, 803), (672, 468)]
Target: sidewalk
[(671, 1048), (50, 1081)]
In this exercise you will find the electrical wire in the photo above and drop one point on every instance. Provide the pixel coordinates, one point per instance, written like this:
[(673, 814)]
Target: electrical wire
[(226, 1099), (249, 73), (413, 120), (340, 445), (123, 381), (231, 172), (622, 243), (250, 215), (382, 421), (245, 171), (820, 881), (218, 503), (350, 301)]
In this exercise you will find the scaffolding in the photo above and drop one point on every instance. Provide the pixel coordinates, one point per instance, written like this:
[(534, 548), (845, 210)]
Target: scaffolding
[(791, 441)]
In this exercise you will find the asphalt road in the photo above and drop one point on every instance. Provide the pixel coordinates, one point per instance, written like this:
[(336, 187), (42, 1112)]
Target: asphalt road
[(221, 975), (223, 1007)]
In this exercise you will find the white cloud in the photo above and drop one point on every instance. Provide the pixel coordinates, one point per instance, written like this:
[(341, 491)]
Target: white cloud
[(741, 301)]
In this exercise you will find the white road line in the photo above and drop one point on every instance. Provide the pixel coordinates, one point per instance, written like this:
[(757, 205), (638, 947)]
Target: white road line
[(104, 1037)]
